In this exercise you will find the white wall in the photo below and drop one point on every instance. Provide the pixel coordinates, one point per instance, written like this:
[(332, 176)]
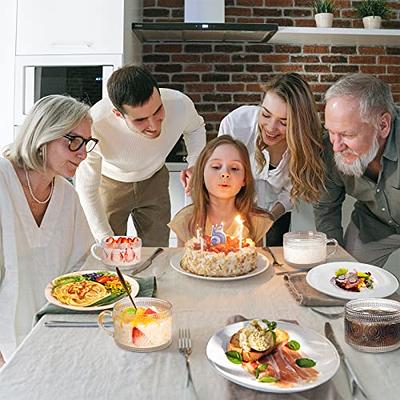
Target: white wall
[(8, 18)]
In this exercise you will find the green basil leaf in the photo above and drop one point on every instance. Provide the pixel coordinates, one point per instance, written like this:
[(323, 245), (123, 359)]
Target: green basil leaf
[(293, 345), (234, 357), (272, 325), (261, 368), (341, 271), (268, 379), (305, 363)]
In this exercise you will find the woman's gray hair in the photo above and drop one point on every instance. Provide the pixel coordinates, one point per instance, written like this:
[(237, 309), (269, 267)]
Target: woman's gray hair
[(374, 95), (51, 118)]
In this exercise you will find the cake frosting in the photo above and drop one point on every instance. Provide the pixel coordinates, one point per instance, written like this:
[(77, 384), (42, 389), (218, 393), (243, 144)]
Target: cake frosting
[(221, 260)]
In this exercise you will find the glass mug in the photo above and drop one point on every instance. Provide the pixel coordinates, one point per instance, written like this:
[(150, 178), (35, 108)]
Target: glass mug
[(306, 249), (121, 255), (147, 329)]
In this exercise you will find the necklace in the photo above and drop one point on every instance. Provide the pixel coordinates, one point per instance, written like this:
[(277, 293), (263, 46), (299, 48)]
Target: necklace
[(31, 191)]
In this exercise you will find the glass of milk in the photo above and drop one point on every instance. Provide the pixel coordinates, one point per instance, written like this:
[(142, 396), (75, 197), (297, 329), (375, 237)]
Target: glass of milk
[(305, 250)]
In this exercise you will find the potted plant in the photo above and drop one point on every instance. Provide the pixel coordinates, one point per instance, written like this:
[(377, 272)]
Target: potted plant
[(323, 10), (372, 12)]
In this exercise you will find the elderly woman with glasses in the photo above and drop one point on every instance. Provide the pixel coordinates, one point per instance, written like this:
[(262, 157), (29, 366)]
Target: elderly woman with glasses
[(43, 230)]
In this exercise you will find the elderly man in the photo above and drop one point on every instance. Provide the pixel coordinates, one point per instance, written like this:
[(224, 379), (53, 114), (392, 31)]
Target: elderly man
[(126, 175), (362, 160)]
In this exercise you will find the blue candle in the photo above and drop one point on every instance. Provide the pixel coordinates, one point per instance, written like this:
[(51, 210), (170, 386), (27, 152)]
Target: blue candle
[(217, 234)]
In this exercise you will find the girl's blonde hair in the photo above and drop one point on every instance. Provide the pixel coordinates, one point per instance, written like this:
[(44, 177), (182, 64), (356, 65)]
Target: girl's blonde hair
[(244, 200), (303, 137), (51, 118)]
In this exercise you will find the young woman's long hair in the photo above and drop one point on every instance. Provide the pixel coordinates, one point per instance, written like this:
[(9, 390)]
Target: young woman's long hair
[(244, 200), (303, 137)]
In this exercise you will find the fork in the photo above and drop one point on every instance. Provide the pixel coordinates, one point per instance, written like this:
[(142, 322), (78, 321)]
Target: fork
[(329, 315), (275, 261), (185, 347)]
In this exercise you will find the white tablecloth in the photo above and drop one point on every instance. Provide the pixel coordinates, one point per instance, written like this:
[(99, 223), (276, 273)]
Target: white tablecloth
[(83, 363)]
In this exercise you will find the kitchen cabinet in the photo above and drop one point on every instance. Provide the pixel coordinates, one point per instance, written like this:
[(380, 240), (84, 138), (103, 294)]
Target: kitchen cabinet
[(73, 27)]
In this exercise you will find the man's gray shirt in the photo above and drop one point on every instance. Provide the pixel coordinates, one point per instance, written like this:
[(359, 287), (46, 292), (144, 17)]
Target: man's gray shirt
[(377, 209)]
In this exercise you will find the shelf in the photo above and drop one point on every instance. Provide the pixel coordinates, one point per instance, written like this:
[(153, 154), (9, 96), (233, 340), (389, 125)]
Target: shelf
[(337, 36)]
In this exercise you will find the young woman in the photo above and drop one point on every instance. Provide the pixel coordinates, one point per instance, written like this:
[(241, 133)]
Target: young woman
[(43, 230), (222, 188), (284, 139)]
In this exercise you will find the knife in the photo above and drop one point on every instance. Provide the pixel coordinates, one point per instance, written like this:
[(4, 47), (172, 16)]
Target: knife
[(351, 376), (74, 324), (148, 262)]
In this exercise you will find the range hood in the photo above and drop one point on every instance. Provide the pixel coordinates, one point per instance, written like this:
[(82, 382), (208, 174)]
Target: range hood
[(203, 32)]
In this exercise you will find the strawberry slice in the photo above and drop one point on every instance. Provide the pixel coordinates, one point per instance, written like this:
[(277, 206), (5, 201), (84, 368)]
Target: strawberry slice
[(136, 334), (149, 311), (110, 240)]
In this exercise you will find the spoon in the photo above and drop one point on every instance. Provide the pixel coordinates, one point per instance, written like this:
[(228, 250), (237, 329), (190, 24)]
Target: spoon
[(125, 286)]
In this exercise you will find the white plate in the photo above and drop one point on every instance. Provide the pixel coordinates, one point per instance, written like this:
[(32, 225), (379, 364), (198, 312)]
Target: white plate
[(313, 346), (319, 278), (262, 264), (53, 300)]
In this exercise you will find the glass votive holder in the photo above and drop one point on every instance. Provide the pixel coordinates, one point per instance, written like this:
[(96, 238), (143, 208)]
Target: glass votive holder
[(372, 325)]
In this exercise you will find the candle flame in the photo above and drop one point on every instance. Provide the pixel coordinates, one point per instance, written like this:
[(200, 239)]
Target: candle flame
[(239, 220)]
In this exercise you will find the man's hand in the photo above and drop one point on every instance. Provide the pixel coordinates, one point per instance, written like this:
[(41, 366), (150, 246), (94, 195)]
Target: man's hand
[(185, 177)]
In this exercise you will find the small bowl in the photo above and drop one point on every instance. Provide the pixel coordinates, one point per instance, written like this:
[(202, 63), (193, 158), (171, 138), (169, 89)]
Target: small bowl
[(118, 251), (372, 325)]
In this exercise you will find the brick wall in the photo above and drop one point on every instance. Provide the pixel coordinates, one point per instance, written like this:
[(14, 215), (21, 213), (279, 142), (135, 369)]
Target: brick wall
[(221, 76)]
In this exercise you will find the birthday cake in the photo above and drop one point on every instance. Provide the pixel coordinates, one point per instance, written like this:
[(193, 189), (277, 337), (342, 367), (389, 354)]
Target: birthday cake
[(202, 257)]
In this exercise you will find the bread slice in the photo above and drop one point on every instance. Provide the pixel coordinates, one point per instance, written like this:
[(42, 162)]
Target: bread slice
[(247, 356)]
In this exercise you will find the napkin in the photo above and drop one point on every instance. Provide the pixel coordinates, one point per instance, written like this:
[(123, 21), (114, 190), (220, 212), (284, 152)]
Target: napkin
[(307, 296), (326, 391), (304, 294), (147, 288)]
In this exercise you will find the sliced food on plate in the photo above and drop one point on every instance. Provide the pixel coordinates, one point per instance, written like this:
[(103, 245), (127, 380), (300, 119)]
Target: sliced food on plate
[(267, 353)]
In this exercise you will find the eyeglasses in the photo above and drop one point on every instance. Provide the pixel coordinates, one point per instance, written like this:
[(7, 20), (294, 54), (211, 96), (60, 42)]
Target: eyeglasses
[(76, 142)]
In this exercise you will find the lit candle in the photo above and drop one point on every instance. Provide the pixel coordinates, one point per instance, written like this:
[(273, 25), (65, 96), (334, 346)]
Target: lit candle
[(240, 222)]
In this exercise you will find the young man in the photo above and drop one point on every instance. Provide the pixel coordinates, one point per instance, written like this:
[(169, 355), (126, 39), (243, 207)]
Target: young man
[(362, 160), (137, 127)]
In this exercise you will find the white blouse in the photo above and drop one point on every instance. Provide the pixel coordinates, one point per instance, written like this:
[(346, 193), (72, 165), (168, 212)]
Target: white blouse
[(31, 256), (272, 186)]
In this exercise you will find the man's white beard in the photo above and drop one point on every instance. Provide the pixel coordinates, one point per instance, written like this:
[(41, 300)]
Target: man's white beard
[(358, 166)]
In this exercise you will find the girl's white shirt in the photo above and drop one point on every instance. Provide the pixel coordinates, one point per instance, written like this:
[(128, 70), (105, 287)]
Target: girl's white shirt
[(31, 256), (272, 185)]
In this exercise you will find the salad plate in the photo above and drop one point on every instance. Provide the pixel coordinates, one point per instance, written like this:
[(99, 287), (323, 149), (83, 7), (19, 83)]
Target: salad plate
[(92, 290), (313, 346), (384, 283), (262, 265)]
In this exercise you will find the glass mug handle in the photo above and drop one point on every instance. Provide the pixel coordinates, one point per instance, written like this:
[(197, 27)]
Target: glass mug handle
[(100, 320), (332, 250)]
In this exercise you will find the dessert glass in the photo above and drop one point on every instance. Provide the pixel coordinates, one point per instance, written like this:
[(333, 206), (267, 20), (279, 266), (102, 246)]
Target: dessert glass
[(141, 331), (372, 325)]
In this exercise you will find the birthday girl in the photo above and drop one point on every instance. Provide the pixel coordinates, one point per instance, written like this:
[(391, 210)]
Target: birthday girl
[(222, 189)]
